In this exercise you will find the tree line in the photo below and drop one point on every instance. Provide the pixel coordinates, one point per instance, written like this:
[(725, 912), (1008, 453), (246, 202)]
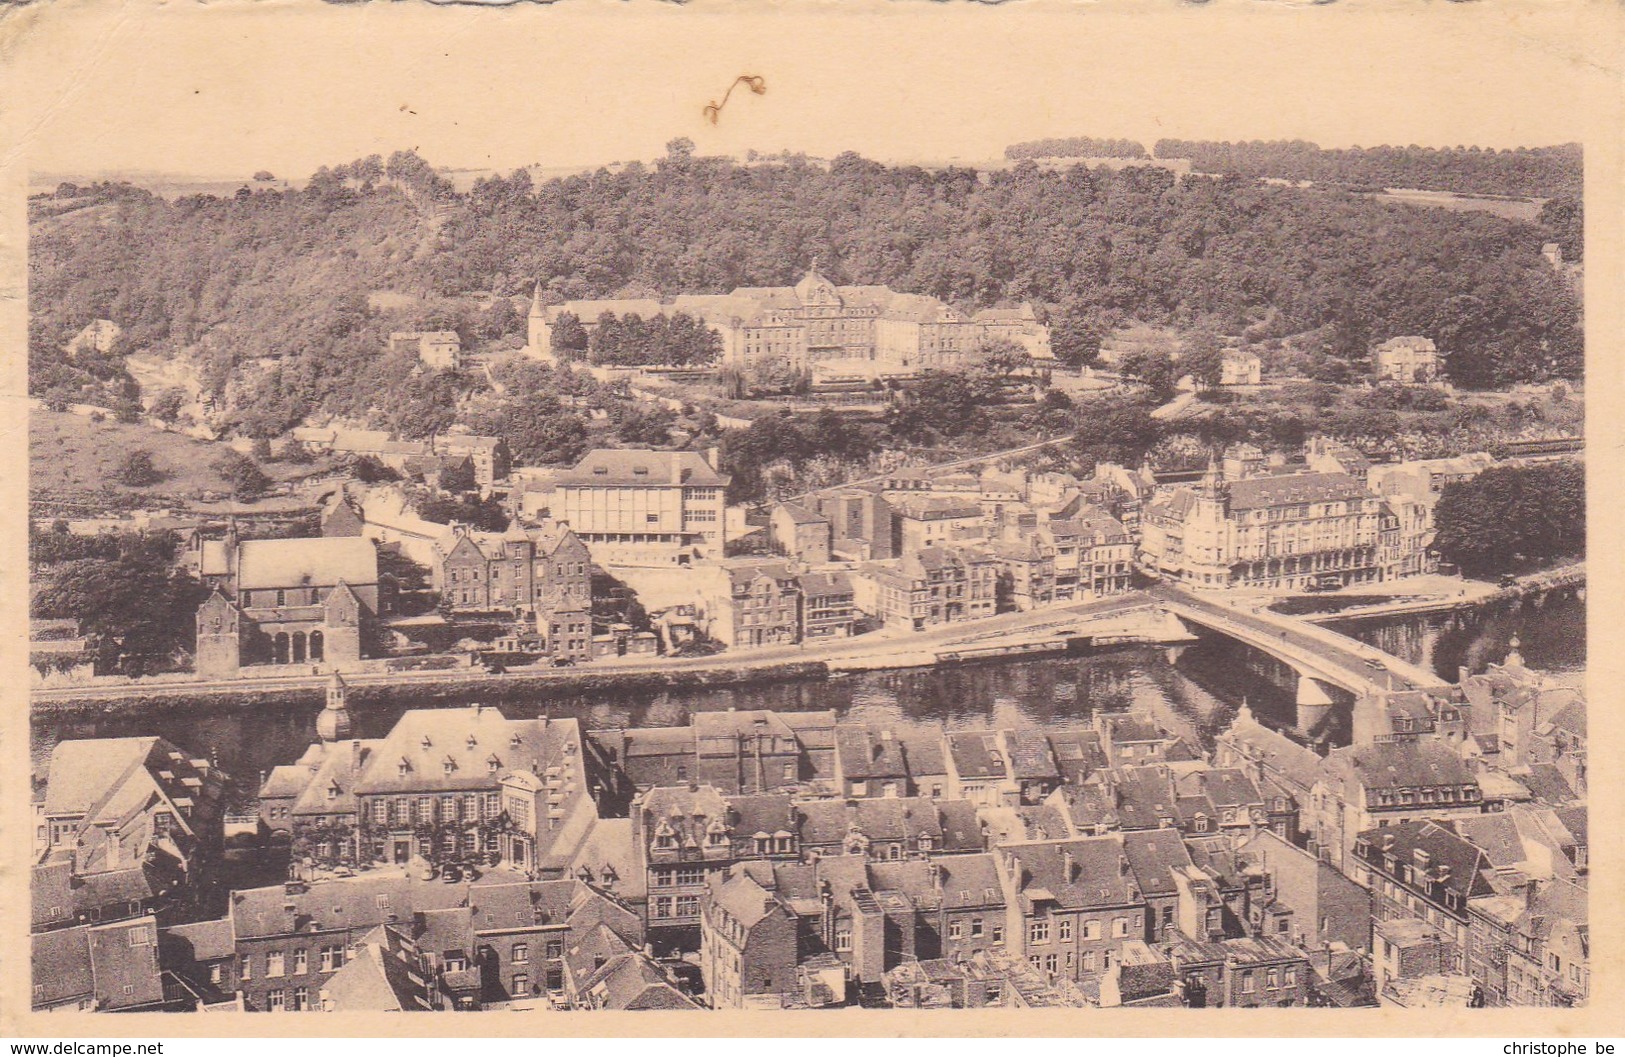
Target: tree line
[(1537, 172), (1076, 147)]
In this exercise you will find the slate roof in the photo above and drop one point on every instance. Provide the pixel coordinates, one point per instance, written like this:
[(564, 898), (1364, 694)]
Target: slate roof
[(801, 515), (612, 467), (961, 829), (827, 822), (381, 975), (524, 905), (1444, 848), (1274, 751), (481, 744), (825, 584), (1099, 873), (126, 973), (977, 754), (1145, 797), (869, 752), (318, 561), (1030, 755), (1547, 784), (1077, 753), (1153, 855), (349, 903), (61, 966), (632, 982), (1496, 835), (743, 897), (1253, 493), (1090, 807), (1401, 764)]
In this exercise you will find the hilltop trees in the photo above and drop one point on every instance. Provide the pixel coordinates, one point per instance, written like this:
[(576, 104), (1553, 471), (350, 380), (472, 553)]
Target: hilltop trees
[(273, 295)]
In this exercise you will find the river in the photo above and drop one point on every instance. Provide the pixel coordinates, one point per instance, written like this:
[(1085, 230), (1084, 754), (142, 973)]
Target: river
[(1195, 697)]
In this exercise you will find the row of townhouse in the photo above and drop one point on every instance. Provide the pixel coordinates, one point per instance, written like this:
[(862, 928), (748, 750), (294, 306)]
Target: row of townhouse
[(1093, 921), (387, 941), (816, 754)]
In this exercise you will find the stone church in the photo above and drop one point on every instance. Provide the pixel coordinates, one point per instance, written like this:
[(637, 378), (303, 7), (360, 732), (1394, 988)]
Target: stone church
[(291, 601)]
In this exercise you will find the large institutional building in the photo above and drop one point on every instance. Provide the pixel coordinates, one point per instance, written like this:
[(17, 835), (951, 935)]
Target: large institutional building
[(1274, 530), (643, 507), (863, 330)]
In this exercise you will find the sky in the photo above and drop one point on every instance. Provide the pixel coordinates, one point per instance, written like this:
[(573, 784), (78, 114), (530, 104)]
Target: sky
[(226, 88)]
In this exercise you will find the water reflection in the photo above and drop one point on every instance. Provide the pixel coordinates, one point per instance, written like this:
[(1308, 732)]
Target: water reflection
[(1194, 698)]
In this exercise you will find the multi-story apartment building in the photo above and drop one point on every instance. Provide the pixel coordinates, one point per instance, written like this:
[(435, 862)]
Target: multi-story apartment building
[(1365, 786), (755, 603), (685, 836), (641, 507), (828, 605), (934, 586), (1094, 555), (1026, 573), (1426, 871), (524, 571), (1073, 903)]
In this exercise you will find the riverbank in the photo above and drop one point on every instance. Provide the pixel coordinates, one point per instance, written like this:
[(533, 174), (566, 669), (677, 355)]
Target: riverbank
[(1470, 595), (885, 649), (364, 688)]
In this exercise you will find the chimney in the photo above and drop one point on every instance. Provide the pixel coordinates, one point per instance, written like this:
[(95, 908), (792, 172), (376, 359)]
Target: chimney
[(1068, 866), (1122, 866), (676, 469)]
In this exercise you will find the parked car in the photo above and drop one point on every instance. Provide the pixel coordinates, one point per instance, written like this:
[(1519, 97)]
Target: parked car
[(451, 875)]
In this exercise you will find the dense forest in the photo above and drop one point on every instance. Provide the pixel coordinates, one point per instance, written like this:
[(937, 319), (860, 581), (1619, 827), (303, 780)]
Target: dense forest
[(1539, 172), (285, 298)]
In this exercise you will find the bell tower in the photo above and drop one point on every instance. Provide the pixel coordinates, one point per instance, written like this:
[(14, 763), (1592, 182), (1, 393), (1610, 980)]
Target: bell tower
[(334, 722)]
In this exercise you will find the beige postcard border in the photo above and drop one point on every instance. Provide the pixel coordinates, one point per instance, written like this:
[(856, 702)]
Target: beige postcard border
[(165, 86)]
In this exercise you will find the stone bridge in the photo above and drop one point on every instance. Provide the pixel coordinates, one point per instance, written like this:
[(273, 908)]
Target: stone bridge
[(1323, 660)]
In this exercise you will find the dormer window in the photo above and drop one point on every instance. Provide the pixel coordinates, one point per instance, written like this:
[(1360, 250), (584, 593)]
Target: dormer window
[(426, 743), (448, 765), (333, 791), (403, 767), (492, 764), (471, 742), (513, 742)]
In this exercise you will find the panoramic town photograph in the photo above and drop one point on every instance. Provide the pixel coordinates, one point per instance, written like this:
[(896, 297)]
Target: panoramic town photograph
[(1105, 574)]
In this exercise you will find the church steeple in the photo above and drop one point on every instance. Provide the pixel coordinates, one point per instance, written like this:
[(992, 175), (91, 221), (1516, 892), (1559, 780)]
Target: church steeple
[(1212, 483), (334, 722)]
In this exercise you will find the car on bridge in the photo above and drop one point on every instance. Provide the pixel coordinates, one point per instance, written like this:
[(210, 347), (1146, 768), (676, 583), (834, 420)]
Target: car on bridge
[(1375, 665)]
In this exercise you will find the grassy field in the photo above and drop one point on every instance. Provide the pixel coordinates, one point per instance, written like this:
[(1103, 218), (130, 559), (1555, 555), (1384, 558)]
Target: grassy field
[(70, 453)]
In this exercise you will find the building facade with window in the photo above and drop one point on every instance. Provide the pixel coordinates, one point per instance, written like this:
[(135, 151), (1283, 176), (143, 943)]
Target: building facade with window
[(445, 785), (642, 507), (1273, 531)]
